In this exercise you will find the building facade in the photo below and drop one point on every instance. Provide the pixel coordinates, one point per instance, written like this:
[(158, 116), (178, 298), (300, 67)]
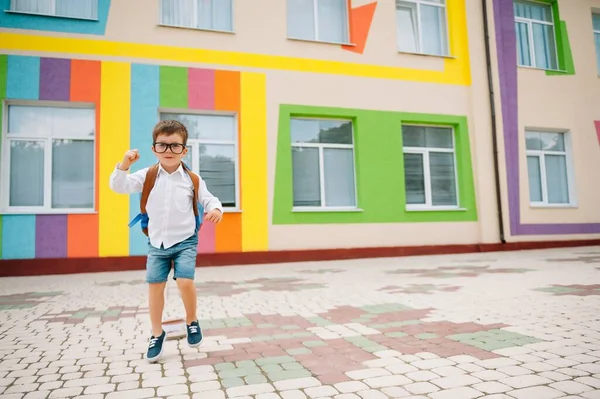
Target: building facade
[(320, 124)]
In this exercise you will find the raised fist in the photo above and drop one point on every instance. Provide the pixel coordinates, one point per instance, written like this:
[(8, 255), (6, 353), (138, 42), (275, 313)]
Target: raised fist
[(130, 158)]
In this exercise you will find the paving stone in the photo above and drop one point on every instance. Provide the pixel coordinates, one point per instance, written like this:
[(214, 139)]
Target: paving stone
[(540, 392), (571, 387), (298, 383), (66, 392), (132, 394), (490, 387), (396, 392), (456, 393), (249, 390), (293, 394), (351, 386), (321, 391), (172, 390), (205, 386), (489, 375), (422, 375), (372, 394), (525, 381), (455, 381), (421, 388)]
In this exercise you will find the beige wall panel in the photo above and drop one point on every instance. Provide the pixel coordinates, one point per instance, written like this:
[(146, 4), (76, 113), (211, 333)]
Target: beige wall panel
[(291, 237)]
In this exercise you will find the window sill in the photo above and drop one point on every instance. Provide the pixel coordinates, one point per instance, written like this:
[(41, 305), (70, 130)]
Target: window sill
[(38, 211), (553, 206), (321, 42), (325, 209), (231, 210), (541, 69), (450, 57), (51, 15), (231, 32), (436, 209)]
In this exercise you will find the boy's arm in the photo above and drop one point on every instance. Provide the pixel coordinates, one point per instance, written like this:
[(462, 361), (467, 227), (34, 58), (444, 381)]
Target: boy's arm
[(208, 201), (124, 183)]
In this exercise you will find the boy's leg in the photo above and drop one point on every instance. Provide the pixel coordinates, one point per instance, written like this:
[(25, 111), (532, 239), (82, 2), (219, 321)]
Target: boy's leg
[(156, 305), (189, 298), (185, 267), (158, 266)]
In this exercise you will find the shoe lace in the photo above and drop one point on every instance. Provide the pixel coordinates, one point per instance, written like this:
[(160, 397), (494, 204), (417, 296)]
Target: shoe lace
[(193, 329), (153, 342)]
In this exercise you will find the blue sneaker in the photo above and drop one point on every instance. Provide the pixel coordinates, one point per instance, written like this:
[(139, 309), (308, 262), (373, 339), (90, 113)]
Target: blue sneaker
[(194, 334), (155, 347)]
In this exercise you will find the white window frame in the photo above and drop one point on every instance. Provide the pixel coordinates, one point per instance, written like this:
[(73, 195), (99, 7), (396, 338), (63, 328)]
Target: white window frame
[(193, 147), (530, 41), (596, 33), (53, 2), (195, 19), (416, 5), (5, 164), (321, 147), (568, 153), (424, 152), (316, 24)]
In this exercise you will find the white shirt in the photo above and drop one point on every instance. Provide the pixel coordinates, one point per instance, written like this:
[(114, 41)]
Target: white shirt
[(169, 206)]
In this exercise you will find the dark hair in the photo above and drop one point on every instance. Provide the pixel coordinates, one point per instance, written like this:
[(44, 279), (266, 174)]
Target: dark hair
[(168, 128)]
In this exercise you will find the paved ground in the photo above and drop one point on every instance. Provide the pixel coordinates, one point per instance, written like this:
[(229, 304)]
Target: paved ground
[(522, 325)]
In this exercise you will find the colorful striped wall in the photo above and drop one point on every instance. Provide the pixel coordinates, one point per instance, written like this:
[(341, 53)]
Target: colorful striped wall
[(127, 98)]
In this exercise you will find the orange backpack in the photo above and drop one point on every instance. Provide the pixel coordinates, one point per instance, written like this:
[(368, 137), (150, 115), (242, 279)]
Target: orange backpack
[(149, 185)]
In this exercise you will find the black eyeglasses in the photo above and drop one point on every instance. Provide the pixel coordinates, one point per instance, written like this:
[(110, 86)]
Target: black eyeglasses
[(176, 148)]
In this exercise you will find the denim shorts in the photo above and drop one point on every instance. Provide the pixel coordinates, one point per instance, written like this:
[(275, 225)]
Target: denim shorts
[(183, 255)]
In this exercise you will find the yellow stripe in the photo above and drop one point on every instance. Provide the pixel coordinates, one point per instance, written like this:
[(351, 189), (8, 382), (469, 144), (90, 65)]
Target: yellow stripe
[(456, 70), (115, 107), (459, 41), (255, 217)]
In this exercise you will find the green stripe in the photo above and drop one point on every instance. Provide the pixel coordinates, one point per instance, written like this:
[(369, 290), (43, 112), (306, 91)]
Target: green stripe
[(3, 77), (379, 166), (173, 87)]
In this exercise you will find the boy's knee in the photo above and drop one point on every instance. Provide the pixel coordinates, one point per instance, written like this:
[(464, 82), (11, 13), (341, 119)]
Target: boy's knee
[(185, 283)]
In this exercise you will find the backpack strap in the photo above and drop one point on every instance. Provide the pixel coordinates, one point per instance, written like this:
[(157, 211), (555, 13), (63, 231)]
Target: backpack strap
[(148, 185), (196, 183)]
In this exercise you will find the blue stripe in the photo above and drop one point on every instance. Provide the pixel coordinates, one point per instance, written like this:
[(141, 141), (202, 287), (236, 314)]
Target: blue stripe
[(144, 115), (55, 24), (23, 80), (18, 231), (18, 236)]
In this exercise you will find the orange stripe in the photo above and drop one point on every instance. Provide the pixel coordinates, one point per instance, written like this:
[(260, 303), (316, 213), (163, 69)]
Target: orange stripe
[(82, 230), (229, 233), (227, 91), (227, 98), (82, 236)]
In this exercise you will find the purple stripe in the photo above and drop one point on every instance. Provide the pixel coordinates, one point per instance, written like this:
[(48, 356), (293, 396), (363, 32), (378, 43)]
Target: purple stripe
[(55, 79), (51, 236), (506, 44)]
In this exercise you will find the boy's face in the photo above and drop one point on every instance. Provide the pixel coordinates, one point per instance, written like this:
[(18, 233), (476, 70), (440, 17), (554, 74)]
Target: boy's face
[(169, 149)]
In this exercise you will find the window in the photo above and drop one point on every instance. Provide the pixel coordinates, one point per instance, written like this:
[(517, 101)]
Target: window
[(213, 152), (596, 22), (318, 20), (82, 9), (198, 14), (429, 167), (323, 163), (536, 43), (548, 166), (50, 159), (421, 26)]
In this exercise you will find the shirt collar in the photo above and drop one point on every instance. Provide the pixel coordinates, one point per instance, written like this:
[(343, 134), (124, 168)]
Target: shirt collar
[(179, 169)]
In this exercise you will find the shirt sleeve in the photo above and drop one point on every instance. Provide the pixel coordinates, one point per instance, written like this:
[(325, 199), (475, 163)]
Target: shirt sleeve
[(207, 200), (122, 182)]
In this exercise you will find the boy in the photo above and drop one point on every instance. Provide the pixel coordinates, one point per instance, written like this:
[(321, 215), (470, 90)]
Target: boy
[(172, 234)]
